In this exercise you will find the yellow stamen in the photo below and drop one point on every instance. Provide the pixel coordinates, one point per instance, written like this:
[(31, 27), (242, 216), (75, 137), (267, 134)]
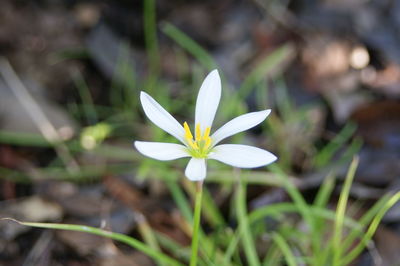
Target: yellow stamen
[(199, 146), (193, 144), (198, 133), (207, 133), (188, 134), (196, 147), (208, 143)]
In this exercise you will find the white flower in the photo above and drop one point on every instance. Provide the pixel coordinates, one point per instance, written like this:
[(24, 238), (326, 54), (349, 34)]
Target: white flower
[(203, 146)]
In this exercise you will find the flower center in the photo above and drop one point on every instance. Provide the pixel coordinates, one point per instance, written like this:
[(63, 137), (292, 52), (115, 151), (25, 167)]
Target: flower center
[(200, 146)]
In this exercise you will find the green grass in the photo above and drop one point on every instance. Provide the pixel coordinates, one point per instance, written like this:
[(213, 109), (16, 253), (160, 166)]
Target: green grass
[(285, 240)]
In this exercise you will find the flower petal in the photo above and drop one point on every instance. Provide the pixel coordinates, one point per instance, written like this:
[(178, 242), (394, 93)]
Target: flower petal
[(161, 151), (160, 117), (196, 169), (242, 156), (239, 124), (208, 100)]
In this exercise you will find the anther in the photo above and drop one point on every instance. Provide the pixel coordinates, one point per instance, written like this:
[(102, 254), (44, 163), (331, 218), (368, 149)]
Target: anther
[(198, 133)]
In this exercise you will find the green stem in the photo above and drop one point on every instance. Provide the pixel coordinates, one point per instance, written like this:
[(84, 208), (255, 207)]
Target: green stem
[(196, 223)]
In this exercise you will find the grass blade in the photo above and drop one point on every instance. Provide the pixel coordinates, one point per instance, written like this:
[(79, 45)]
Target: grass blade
[(267, 65), (158, 256), (247, 237), (326, 154), (150, 36), (284, 247), (341, 211), (189, 45), (371, 230), (301, 204)]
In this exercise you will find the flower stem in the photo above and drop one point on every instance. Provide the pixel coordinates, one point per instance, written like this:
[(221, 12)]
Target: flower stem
[(196, 223)]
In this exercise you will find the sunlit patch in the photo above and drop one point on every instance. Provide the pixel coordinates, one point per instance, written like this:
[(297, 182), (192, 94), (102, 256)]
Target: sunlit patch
[(359, 58), (199, 147)]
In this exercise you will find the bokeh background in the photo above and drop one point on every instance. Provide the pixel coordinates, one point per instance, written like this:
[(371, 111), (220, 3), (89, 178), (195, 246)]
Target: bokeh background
[(70, 77)]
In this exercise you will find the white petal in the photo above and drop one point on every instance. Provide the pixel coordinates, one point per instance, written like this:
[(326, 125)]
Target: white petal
[(208, 100), (196, 169), (160, 117), (239, 124), (161, 151), (242, 156)]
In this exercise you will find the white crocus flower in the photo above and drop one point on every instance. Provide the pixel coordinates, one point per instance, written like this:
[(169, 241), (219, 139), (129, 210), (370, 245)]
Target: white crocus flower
[(203, 146)]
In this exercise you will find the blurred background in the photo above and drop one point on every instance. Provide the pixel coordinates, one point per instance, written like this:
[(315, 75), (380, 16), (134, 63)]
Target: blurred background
[(70, 77)]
